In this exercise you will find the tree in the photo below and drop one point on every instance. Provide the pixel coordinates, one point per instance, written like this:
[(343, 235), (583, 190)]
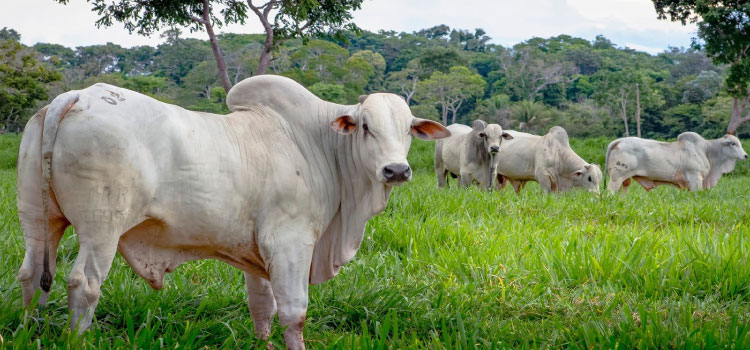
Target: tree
[(724, 29), (377, 62), (405, 81), (201, 80), (303, 19), (496, 109), (469, 41), (705, 86), (330, 92), (527, 71), (23, 81), (529, 116), (438, 59), (177, 57), (617, 89), (9, 33), (147, 17), (451, 90)]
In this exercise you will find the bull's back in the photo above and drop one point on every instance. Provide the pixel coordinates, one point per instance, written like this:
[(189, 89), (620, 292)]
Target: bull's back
[(453, 146), (517, 156), (651, 159)]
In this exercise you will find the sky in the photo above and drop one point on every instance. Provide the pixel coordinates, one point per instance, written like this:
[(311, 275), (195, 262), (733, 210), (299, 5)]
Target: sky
[(630, 23)]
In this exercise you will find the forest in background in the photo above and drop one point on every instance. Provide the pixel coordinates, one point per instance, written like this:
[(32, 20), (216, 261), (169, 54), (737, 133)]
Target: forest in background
[(591, 88)]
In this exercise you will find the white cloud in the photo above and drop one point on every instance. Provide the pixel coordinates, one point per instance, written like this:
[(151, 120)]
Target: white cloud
[(507, 22)]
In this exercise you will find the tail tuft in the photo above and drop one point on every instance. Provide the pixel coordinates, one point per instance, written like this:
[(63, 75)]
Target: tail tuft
[(46, 282)]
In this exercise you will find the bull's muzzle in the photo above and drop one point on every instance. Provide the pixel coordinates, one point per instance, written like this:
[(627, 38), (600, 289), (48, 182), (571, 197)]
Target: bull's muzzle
[(397, 172), (494, 149)]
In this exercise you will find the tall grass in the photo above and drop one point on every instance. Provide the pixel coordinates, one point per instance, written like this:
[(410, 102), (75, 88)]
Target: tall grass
[(452, 269)]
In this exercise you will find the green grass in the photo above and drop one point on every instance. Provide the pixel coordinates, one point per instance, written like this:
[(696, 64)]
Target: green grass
[(453, 269)]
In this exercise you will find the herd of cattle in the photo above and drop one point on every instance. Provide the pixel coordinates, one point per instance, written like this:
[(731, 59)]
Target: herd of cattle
[(485, 153), (280, 188)]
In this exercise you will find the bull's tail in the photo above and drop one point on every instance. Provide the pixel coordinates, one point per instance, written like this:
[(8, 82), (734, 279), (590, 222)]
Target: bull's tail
[(438, 161), (606, 164), (56, 111)]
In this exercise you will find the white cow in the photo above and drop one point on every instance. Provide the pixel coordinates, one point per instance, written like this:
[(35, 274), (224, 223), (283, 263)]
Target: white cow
[(546, 159), (469, 153), (269, 188), (691, 162)]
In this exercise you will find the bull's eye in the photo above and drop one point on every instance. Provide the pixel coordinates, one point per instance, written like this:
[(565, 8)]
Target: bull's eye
[(481, 134), (590, 179), (366, 128)]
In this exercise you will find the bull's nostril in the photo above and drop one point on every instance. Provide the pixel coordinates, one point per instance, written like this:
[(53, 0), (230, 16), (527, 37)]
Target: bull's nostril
[(397, 172), (746, 156), (387, 172)]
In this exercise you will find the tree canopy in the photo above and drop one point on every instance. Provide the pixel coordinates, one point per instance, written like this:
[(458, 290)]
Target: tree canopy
[(586, 86)]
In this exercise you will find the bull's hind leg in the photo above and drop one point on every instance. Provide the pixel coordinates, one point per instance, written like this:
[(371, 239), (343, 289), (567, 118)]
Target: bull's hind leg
[(617, 183), (30, 273), (261, 302), (97, 247), (441, 175)]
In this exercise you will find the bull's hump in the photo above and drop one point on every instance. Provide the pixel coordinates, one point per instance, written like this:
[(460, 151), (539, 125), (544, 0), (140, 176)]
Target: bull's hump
[(690, 137), (269, 91)]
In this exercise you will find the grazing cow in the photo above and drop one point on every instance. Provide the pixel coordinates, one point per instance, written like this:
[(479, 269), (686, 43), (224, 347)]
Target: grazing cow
[(546, 159), (691, 162), (269, 189), (470, 153)]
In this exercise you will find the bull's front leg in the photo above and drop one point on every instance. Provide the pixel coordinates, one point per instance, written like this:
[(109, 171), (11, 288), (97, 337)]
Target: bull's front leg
[(694, 181), (465, 179), (261, 303), (287, 246)]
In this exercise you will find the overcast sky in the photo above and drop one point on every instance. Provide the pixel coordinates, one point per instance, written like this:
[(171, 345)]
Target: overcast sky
[(629, 23)]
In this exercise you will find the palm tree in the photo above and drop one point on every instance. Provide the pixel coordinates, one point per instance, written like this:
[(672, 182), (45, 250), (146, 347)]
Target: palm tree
[(529, 115)]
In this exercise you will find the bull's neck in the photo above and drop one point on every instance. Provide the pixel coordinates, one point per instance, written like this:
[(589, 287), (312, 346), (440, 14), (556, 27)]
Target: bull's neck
[(717, 165), (342, 151), (478, 149), (569, 160)]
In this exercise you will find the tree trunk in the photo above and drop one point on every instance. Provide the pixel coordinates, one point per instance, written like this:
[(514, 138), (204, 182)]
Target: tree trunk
[(444, 111), (268, 45), (220, 64), (738, 109), (638, 110), (454, 109), (624, 115), (265, 58)]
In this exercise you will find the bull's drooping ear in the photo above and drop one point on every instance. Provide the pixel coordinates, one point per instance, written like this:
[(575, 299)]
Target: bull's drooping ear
[(478, 125), (344, 125), (428, 130), (362, 98), (507, 136)]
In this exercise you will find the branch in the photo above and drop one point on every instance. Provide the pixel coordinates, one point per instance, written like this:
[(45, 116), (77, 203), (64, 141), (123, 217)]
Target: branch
[(197, 20), (206, 20)]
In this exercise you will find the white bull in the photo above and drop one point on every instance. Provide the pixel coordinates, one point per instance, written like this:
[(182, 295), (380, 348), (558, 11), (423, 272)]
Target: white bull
[(269, 188), (547, 159), (469, 153), (691, 162)]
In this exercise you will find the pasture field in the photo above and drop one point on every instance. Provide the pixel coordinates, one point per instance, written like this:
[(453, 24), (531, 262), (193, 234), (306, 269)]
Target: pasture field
[(450, 269)]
